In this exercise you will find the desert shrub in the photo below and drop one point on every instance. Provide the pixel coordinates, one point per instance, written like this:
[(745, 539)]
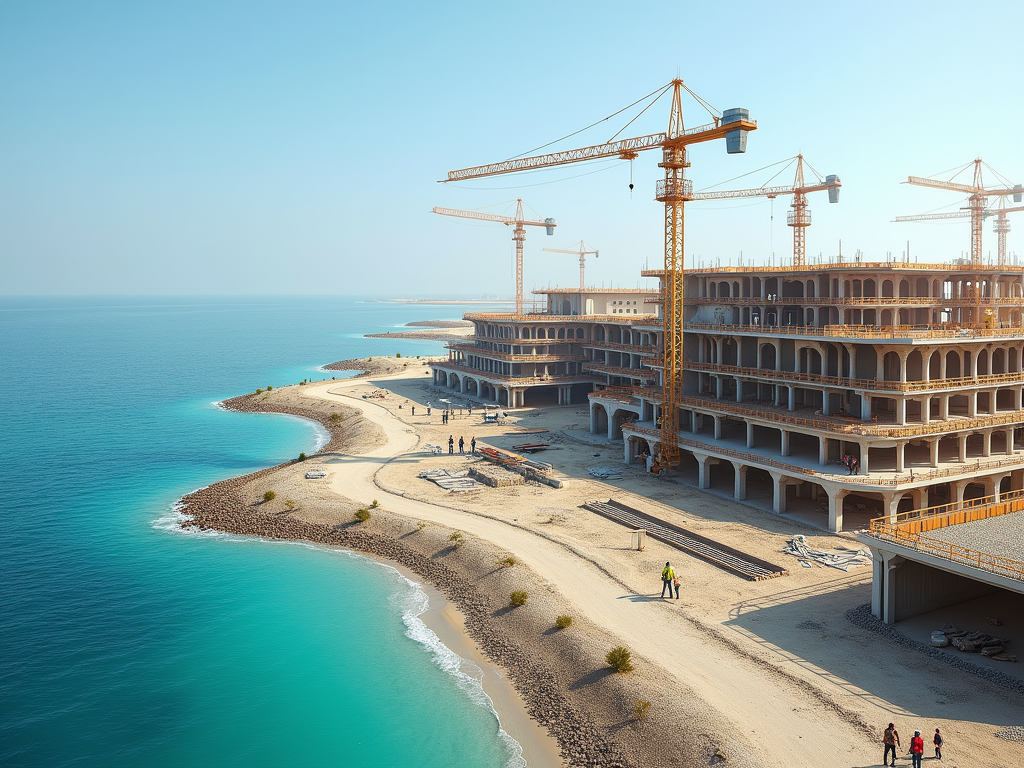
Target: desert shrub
[(563, 621), (506, 562), (517, 598), (641, 709), (362, 515), (302, 456), (269, 388), (421, 525), (618, 658), (374, 504), (398, 354), (335, 417), (269, 496), (259, 391), (457, 539), (290, 503)]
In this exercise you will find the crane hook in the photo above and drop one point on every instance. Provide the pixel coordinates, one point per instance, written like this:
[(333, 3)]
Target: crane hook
[(631, 178)]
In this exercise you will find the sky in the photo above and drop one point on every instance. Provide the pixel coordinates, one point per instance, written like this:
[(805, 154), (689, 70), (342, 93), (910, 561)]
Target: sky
[(294, 148)]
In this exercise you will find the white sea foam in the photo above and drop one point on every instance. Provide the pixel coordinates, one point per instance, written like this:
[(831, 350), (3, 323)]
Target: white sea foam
[(413, 603)]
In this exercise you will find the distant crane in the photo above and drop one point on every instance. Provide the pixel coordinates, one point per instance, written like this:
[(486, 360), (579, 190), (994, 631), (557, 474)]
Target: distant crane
[(976, 202), (518, 235), (674, 191), (582, 252), (800, 217), (1001, 226)]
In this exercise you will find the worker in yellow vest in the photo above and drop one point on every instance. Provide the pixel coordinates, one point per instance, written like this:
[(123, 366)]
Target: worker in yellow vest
[(668, 578)]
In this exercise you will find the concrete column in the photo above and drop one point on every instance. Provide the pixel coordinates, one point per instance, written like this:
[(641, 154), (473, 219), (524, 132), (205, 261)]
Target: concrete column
[(901, 452), (835, 508), (739, 389), (719, 386), (901, 411), (750, 435), (1009, 442), (891, 503), (611, 424), (778, 493), (628, 454), (903, 361), (986, 443), (718, 427), (593, 418), (972, 404), (961, 440), (920, 496), (785, 442), (892, 565), (865, 406), (865, 450), (943, 407), (880, 353), (792, 398), (825, 411), (926, 410), (877, 584), (740, 481), (933, 452), (992, 402), (822, 450), (703, 473)]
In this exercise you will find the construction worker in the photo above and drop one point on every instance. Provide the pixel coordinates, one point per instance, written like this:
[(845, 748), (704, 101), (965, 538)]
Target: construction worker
[(668, 575)]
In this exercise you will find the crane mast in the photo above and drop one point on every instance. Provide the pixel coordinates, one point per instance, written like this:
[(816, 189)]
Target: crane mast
[(1001, 226), (673, 191), (582, 252), (519, 224)]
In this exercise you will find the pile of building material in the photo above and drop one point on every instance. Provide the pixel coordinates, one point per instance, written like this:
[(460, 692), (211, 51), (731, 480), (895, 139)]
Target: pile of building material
[(496, 477), (987, 645), (539, 471), (454, 480), (605, 473), (844, 561)]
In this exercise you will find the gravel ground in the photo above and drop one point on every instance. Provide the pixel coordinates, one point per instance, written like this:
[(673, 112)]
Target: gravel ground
[(1002, 536)]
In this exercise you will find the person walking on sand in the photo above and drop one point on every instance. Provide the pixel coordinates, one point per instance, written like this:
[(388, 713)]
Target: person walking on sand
[(462, 445), (667, 576), (472, 445), (451, 444), (891, 740), (916, 750), (675, 583), (937, 741)]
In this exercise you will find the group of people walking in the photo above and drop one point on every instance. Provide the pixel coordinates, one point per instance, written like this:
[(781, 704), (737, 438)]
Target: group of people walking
[(462, 444), (852, 464), (891, 741)]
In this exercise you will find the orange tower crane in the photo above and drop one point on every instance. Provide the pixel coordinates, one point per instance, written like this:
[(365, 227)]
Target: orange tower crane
[(582, 252), (800, 217), (1001, 226), (518, 236), (674, 190), (977, 200)]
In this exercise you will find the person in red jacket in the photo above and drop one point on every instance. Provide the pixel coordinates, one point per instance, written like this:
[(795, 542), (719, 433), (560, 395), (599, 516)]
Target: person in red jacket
[(916, 750)]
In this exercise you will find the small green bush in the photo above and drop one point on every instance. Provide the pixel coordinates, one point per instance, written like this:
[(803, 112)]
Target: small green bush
[(563, 621), (642, 708), (507, 562), (618, 658), (335, 417), (457, 539), (362, 515), (398, 354), (290, 503), (517, 598), (374, 504), (302, 456), (269, 388), (269, 496), (421, 525), (259, 391)]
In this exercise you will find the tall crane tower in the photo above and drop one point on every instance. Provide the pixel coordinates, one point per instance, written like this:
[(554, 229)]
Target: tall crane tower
[(977, 199), (674, 190), (518, 235), (582, 252), (800, 217), (1001, 225)]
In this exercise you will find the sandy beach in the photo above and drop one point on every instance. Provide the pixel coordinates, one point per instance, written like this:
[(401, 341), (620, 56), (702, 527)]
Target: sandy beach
[(767, 673)]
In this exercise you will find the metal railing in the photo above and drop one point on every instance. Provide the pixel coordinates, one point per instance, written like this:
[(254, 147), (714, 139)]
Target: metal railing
[(863, 331), (847, 383), (847, 301), (632, 373), (552, 379)]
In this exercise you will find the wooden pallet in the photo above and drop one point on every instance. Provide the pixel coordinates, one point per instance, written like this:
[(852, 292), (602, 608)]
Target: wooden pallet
[(724, 557)]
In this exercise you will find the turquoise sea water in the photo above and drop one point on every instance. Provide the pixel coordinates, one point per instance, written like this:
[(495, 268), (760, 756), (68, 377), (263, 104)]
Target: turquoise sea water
[(128, 643)]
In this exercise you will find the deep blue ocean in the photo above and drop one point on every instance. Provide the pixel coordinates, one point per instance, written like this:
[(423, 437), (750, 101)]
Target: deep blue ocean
[(126, 642)]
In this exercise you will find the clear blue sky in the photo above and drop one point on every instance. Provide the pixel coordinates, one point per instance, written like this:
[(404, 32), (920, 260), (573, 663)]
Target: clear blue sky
[(261, 148)]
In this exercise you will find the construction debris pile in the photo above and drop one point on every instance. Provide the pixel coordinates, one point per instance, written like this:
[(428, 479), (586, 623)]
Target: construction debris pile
[(540, 471), (454, 480), (797, 546), (972, 642)]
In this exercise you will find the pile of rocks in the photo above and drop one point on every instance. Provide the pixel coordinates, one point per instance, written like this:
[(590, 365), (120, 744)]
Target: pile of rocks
[(987, 645), (496, 477)]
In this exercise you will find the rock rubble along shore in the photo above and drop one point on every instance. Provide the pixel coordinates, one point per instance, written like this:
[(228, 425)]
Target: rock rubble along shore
[(560, 674), (376, 366)]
